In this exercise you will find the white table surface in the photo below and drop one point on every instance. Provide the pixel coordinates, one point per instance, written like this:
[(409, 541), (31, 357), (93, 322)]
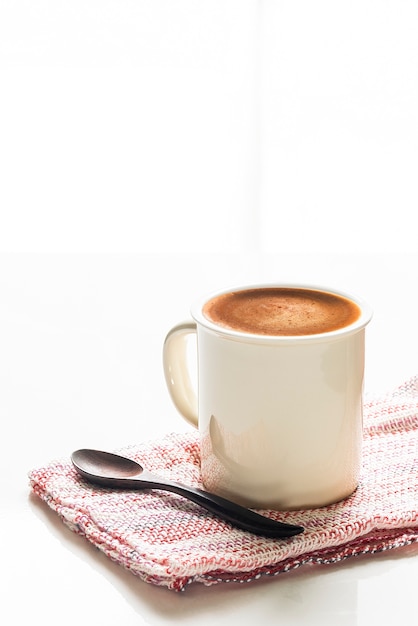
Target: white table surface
[(81, 339)]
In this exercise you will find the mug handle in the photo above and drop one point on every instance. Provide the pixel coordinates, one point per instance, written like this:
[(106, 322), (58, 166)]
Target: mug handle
[(176, 372)]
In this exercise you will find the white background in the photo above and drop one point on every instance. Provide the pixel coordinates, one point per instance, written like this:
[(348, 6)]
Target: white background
[(151, 151)]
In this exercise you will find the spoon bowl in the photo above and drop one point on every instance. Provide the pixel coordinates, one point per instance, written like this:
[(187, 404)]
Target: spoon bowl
[(115, 471), (95, 463)]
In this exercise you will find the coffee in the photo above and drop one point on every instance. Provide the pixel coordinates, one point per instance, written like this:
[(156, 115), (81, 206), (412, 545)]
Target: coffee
[(281, 311)]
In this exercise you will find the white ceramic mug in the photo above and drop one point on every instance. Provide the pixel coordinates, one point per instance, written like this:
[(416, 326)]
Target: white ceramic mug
[(280, 417)]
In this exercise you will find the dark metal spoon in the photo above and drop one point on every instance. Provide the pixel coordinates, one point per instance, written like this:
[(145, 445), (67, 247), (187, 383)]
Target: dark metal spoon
[(112, 470)]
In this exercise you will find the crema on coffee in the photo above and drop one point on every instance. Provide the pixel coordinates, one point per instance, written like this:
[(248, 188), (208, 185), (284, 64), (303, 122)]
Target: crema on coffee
[(281, 311)]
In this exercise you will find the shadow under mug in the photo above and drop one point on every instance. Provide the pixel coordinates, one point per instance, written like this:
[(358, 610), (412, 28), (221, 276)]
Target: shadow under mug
[(280, 417)]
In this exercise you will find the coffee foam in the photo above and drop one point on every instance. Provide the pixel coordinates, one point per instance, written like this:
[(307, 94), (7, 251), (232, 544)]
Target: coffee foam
[(284, 311)]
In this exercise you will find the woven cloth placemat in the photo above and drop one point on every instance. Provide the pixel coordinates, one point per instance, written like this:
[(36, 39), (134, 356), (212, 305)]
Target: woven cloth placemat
[(167, 540)]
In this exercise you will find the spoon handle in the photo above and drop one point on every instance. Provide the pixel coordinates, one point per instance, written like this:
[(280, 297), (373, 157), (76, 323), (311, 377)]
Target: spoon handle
[(239, 516), (236, 514)]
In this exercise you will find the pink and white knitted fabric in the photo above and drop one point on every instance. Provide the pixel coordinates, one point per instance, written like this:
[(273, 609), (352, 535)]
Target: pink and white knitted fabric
[(167, 540)]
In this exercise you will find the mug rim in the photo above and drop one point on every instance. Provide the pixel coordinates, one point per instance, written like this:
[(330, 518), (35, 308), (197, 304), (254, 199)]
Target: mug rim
[(366, 314)]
